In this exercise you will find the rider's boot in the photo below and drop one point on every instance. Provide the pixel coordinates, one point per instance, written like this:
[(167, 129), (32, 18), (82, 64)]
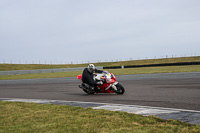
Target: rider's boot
[(86, 86)]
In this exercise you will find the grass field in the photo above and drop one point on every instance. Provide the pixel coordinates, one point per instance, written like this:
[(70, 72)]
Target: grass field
[(8, 67), (18, 117), (145, 70)]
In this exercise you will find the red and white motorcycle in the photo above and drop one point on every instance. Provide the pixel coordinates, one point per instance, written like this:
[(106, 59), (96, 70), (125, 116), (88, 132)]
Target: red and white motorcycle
[(110, 84)]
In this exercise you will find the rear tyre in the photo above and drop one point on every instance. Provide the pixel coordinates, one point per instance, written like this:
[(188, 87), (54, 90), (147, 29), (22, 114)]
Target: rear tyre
[(120, 89)]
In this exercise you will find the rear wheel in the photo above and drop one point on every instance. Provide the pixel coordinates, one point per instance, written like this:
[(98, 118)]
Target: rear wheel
[(120, 89)]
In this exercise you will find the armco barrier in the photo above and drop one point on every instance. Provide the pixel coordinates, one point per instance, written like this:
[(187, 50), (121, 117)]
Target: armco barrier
[(154, 65)]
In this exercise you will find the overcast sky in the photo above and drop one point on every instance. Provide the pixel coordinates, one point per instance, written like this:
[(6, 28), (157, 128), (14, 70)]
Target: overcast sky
[(61, 31)]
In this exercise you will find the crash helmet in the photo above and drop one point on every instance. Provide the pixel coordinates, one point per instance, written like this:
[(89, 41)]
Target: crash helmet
[(91, 68)]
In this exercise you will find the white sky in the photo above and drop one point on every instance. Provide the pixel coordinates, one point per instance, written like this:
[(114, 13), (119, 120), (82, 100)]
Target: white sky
[(97, 30)]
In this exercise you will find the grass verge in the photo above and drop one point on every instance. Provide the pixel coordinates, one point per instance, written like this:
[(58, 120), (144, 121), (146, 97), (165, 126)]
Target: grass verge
[(9, 67), (31, 117), (144, 70)]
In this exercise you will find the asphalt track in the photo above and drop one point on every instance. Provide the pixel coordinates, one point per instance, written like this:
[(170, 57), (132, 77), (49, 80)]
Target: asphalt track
[(168, 90)]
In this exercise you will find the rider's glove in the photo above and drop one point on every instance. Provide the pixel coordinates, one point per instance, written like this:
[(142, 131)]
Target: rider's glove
[(99, 83)]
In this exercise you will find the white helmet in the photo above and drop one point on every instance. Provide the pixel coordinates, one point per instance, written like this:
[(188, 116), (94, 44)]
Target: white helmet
[(91, 68)]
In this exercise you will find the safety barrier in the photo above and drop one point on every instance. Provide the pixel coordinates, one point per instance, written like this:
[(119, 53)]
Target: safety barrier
[(154, 65)]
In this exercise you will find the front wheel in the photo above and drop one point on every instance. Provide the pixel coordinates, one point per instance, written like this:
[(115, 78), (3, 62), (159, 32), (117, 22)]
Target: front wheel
[(120, 89)]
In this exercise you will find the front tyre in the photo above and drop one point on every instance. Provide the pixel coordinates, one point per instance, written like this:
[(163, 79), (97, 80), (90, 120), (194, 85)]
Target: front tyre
[(120, 89)]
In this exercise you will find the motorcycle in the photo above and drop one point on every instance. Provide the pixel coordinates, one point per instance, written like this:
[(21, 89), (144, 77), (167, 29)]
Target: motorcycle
[(110, 84)]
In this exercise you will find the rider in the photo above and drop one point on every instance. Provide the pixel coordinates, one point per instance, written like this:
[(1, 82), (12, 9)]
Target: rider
[(88, 74)]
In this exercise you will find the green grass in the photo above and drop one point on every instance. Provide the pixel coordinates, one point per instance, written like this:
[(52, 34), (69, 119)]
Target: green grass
[(8, 67), (152, 61), (144, 70), (18, 117), (41, 75), (12, 67)]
